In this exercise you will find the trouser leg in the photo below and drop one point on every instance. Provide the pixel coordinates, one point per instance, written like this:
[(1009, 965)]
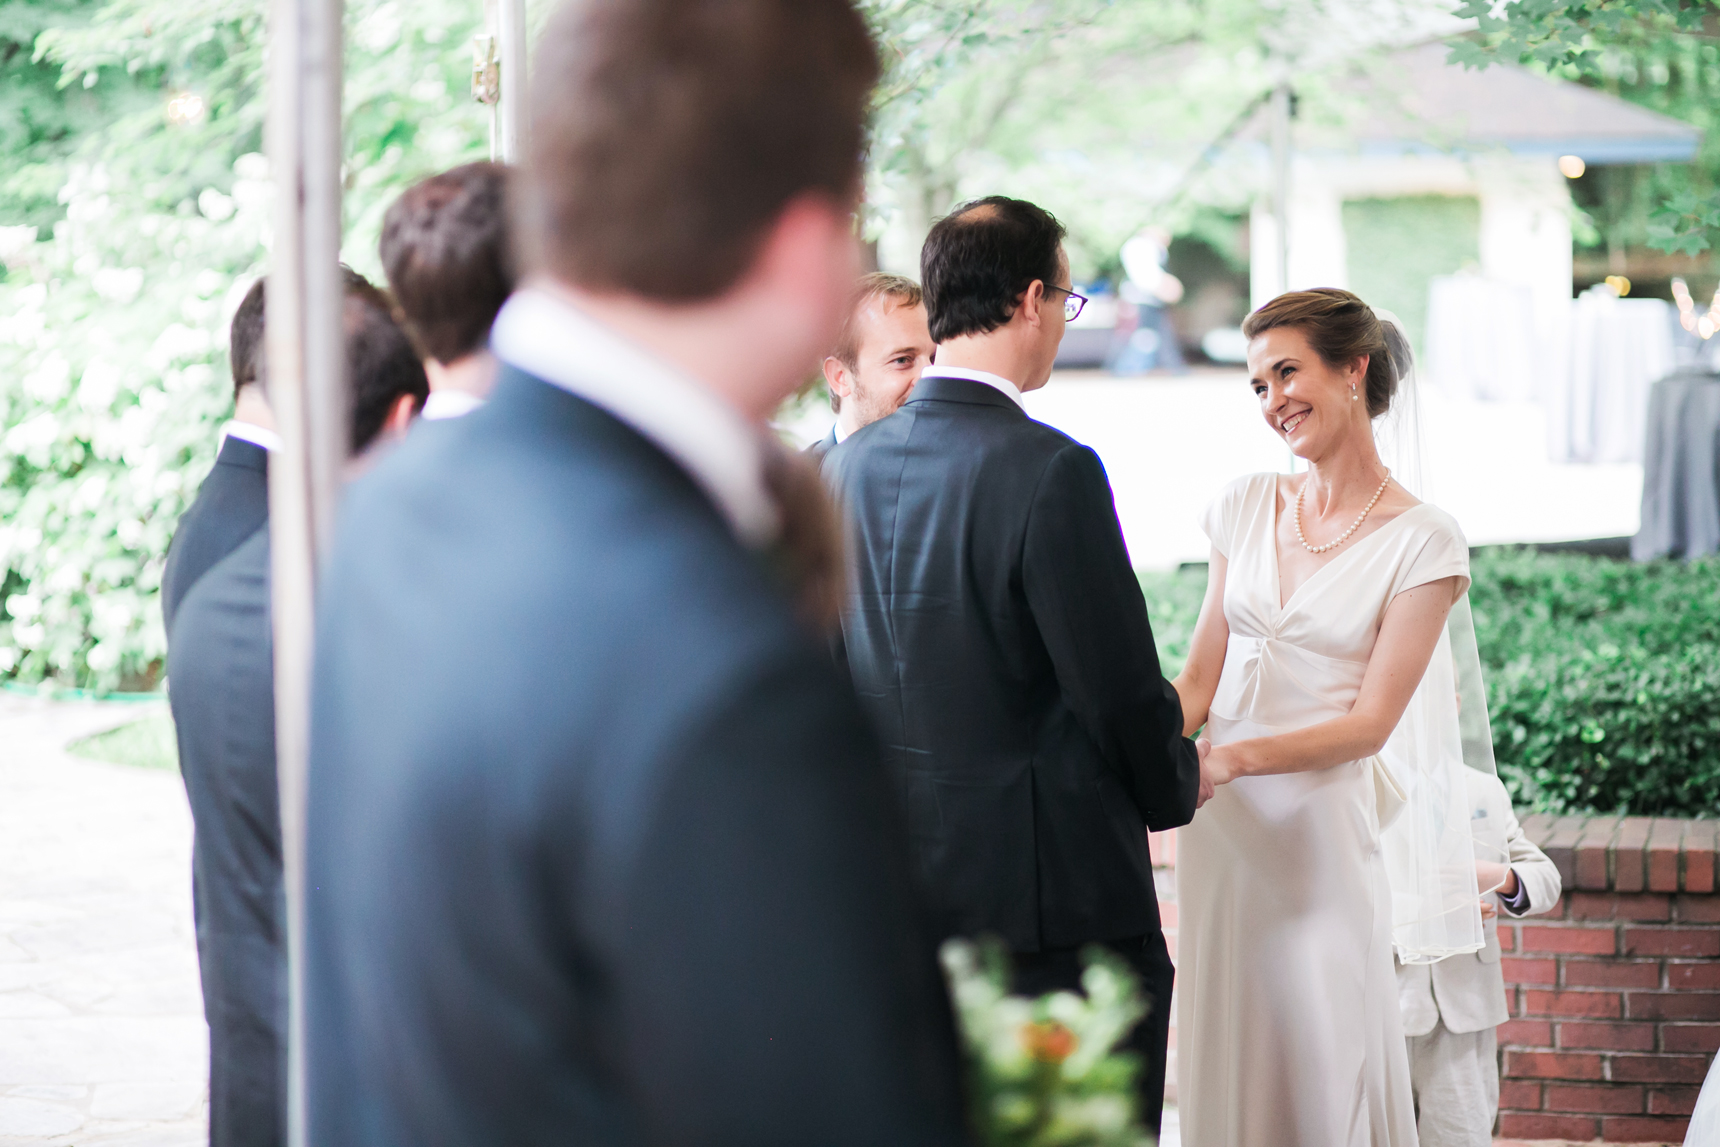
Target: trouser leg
[(1455, 1080), (1059, 969)]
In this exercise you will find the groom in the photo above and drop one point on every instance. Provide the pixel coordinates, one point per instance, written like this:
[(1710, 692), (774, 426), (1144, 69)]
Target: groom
[(998, 639)]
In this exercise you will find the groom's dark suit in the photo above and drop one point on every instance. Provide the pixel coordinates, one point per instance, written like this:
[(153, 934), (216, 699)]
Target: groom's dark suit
[(231, 504), (998, 640), (599, 847)]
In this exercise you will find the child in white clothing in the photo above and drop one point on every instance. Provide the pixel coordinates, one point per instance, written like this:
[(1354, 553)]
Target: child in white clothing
[(1451, 1008)]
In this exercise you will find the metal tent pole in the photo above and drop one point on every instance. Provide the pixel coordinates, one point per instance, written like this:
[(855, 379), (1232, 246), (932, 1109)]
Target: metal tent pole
[(511, 50), (306, 386), (1281, 112)]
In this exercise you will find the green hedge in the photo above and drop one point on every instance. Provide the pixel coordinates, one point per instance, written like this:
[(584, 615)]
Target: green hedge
[(1603, 676)]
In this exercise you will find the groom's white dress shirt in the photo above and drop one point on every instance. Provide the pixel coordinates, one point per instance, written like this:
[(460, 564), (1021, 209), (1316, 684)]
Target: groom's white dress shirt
[(719, 446), (996, 381)]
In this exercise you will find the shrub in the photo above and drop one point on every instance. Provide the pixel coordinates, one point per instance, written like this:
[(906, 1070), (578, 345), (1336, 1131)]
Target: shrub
[(1603, 677)]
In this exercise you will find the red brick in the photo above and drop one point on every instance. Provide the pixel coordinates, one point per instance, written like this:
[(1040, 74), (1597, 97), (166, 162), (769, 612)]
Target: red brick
[(1526, 1033), (1690, 1037), (1663, 842), (1673, 1100), (1612, 973), (1655, 1068), (1629, 870), (1167, 915), (1693, 976), (1652, 907), (1521, 971), (1585, 941), (1162, 847), (1560, 846), (1586, 1005), (1644, 1128), (1699, 842), (1594, 1098), (1687, 942), (1507, 937), (1564, 1065), (1517, 1125), (1698, 909), (1607, 1037), (1519, 1095), (1673, 1005)]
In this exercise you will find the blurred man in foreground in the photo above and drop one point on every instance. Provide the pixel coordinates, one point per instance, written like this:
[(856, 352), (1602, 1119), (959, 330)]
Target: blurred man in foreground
[(599, 847), (446, 251), (221, 666), (882, 348)]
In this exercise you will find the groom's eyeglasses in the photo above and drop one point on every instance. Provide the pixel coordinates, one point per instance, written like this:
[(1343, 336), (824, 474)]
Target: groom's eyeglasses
[(1072, 303)]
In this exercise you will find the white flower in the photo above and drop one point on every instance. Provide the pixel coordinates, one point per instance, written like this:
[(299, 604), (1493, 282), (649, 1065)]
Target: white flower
[(14, 241), (50, 381), (253, 165), (102, 657), (118, 284), (380, 30), (99, 385), (23, 607), (29, 636), (214, 205)]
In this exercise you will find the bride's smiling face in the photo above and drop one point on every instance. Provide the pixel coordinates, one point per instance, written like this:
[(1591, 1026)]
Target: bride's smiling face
[(1307, 402)]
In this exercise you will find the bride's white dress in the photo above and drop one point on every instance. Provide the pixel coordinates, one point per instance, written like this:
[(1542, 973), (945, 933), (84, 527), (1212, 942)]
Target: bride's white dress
[(1288, 1033)]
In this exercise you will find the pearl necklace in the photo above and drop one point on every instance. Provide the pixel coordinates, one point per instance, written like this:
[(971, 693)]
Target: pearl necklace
[(1354, 526)]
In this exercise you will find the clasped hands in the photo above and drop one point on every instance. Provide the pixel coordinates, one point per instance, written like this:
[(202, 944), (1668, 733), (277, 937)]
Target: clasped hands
[(1216, 768)]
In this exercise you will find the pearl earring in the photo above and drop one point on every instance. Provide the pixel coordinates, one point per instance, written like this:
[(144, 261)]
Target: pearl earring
[(1354, 397)]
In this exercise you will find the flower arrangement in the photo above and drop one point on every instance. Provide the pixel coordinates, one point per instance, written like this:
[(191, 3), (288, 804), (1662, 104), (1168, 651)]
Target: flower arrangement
[(1046, 1072)]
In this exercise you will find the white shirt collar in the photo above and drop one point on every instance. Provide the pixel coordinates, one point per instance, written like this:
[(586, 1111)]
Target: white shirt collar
[(449, 404), (838, 433), (550, 338), (252, 433), (995, 381)]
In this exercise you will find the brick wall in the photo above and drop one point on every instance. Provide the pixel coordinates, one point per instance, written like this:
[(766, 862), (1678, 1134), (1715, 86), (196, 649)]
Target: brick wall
[(1615, 994)]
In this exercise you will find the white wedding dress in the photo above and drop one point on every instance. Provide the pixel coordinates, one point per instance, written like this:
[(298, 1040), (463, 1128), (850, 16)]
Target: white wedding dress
[(1288, 1032)]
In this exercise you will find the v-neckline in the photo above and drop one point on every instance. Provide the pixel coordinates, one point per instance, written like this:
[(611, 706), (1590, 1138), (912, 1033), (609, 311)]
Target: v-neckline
[(1278, 597)]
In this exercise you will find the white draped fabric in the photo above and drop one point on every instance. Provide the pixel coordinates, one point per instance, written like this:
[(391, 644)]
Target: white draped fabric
[(1619, 348), (1288, 1027), (1481, 341)]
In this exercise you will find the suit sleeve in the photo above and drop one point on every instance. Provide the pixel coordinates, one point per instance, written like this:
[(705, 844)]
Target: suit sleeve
[(1537, 876), (778, 987), (1093, 620)]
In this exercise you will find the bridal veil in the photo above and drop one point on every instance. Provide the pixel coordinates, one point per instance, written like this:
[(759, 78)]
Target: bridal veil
[(1431, 834)]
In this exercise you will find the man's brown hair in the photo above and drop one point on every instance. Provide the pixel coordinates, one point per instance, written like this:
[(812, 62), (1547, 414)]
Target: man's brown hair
[(879, 284), (667, 135), (446, 253)]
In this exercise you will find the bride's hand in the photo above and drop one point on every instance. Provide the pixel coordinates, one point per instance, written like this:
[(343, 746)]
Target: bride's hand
[(1203, 747), (1218, 764)]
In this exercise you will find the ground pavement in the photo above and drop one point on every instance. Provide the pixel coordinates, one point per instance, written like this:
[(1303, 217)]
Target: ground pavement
[(102, 1039)]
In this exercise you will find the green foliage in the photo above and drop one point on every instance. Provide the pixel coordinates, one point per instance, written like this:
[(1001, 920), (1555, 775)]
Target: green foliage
[(1046, 1072), (1396, 246), (149, 743), (1663, 54), (1603, 677), (113, 373), (1603, 681)]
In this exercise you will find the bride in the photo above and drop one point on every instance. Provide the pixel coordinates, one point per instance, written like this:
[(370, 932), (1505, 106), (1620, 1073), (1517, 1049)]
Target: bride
[(1327, 597)]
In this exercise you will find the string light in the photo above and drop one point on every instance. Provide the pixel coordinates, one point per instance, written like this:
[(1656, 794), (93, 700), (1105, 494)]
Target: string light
[(1572, 166), (185, 108), (1705, 324), (1619, 284)]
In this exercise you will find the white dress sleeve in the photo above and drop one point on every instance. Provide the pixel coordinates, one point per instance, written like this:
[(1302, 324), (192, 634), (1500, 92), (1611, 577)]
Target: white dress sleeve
[(1219, 520), (1437, 550)]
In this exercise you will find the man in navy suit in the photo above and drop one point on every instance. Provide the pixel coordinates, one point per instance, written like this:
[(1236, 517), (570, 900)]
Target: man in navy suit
[(998, 639), (221, 666), (234, 499), (599, 846)]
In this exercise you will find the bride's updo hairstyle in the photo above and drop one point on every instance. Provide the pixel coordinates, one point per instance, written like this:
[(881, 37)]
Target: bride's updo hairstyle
[(1341, 328)]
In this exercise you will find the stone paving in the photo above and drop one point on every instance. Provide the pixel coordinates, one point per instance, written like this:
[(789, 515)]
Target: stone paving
[(102, 1039)]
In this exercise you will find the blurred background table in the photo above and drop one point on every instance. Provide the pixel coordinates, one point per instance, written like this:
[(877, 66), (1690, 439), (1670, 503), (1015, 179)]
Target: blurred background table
[(1681, 468), (1619, 347)]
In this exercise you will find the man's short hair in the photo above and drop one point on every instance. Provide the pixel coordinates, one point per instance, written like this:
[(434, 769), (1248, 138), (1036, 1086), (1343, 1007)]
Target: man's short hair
[(445, 251), (381, 362), (245, 347), (245, 339), (879, 284), (667, 135), (979, 259)]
